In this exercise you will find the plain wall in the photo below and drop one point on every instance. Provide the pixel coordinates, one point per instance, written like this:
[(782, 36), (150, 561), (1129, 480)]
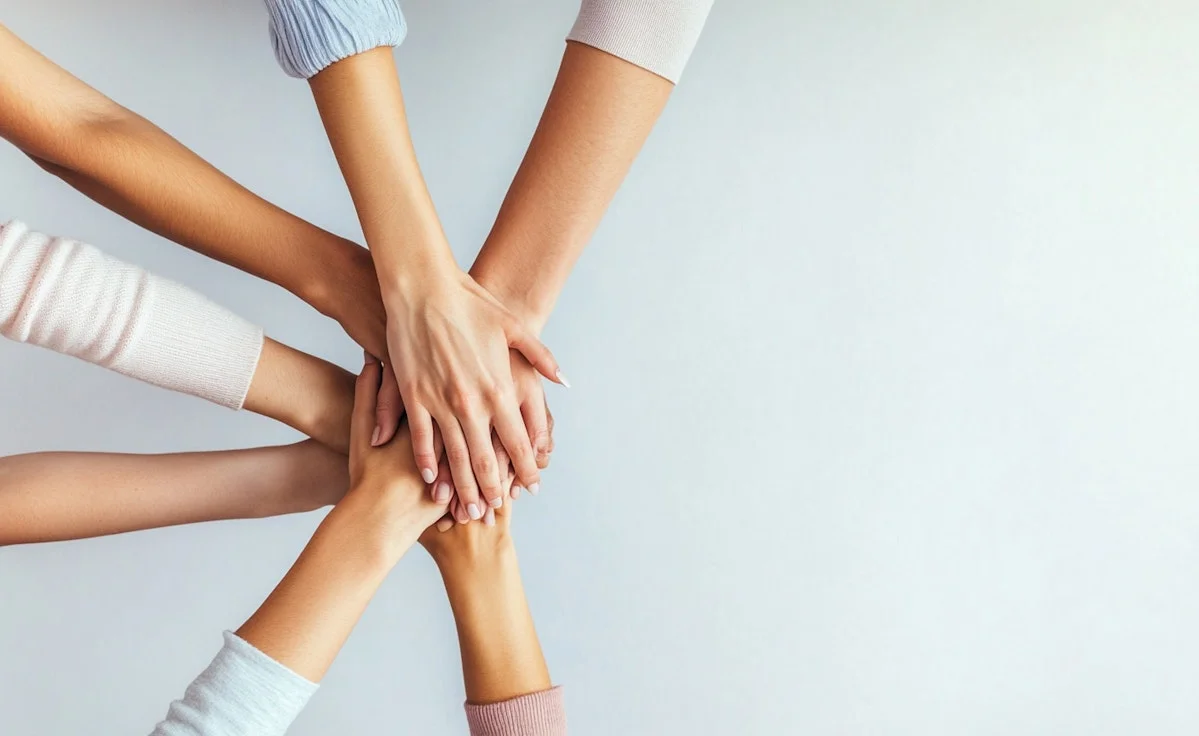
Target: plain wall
[(885, 358)]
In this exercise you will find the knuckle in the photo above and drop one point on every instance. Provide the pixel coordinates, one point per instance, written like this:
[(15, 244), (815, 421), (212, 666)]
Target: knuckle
[(461, 400), (485, 467), (457, 455)]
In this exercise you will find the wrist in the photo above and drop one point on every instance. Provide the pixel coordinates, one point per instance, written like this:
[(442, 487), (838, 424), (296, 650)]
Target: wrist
[(338, 267), (522, 301), (388, 517), (470, 560)]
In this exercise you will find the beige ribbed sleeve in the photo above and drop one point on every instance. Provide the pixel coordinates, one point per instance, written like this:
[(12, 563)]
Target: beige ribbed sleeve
[(657, 35)]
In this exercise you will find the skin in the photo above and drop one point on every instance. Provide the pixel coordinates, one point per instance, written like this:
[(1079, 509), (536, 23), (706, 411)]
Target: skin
[(448, 338), (55, 496), (501, 655), (130, 166), (599, 114), (310, 614)]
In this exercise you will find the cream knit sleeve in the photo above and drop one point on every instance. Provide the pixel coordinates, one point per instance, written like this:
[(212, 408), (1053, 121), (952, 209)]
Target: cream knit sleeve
[(71, 298)]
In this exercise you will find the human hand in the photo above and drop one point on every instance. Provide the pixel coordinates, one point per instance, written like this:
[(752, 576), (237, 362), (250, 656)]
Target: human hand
[(449, 341), (348, 293), (384, 481), (447, 542)]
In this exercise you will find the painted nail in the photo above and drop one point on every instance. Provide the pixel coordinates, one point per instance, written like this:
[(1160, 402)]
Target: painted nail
[(375, 436), (515, 491), (473, 511), (534, 488), (562, 379), (428, 475), (441, 494), (496, 502), (489, 518)]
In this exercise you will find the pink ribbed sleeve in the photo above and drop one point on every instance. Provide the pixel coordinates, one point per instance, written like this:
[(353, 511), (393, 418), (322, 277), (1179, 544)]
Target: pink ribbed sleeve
[(536, 714), (657, 35)]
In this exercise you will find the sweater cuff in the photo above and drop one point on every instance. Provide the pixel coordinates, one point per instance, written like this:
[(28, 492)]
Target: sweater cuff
[(656, 35), (309, 35), (536, 714), (219, 349), (242, 693)]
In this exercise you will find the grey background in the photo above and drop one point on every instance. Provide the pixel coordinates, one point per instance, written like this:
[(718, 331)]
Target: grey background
[(884, 418)]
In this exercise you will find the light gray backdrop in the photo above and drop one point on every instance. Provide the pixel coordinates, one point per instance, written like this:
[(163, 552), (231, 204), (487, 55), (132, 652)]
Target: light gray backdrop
[(885, 359)]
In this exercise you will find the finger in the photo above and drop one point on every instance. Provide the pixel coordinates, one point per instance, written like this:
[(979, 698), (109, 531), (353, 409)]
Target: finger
[(388, 408), (535, 413), (459, 456), (482, 459), (423, 442), (459, 511), (538, 355), (445, 523), (366, 391), (549, 419), (442, 489), (515, 438)]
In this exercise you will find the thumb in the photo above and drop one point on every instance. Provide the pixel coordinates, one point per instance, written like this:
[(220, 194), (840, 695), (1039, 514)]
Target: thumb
[(538, 355), (366, 394)]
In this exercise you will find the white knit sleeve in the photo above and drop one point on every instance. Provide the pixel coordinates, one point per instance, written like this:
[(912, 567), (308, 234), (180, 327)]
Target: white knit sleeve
[(656, 35), (71, 298), (242, 693)]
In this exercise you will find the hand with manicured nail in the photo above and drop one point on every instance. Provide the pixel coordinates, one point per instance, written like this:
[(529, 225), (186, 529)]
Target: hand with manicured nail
[(450, 543), (451, 345), (384, 477)]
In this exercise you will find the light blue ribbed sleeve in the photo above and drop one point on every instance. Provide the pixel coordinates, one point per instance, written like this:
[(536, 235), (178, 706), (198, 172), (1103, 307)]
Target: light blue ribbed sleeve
[(242, 693), (309, 35)]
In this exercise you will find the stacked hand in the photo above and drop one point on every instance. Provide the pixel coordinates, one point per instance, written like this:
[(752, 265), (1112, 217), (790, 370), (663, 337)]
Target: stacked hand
[(483, 406)]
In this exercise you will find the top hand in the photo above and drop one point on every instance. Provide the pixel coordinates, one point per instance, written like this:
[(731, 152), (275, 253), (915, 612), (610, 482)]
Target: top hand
[(449, 342)]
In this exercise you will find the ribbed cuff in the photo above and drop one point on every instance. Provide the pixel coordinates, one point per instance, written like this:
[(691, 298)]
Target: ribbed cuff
[(309, 35), (656, 35), (193, 346), (536, 714)]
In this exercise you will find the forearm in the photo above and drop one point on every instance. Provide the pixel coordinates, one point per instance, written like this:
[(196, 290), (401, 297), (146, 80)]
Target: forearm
[(362, 107), (501, 655), (138, 171), (304, 392), (56, 496), (312, 611), (70, 297), (598, 116)]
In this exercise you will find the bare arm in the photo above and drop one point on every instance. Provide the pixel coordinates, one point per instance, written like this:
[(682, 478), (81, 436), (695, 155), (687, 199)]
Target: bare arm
[(54, 496), (448, 338), (599, 113), (501, 655), (130, 166), (308, 617)]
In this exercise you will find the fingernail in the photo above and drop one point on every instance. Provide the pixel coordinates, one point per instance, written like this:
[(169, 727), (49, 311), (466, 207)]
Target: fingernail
[(428, 475), (515, 491), (441, 494), (562, 379), (534, 488), (489, 519), (375, 436), (473, 511), (496, 502)]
